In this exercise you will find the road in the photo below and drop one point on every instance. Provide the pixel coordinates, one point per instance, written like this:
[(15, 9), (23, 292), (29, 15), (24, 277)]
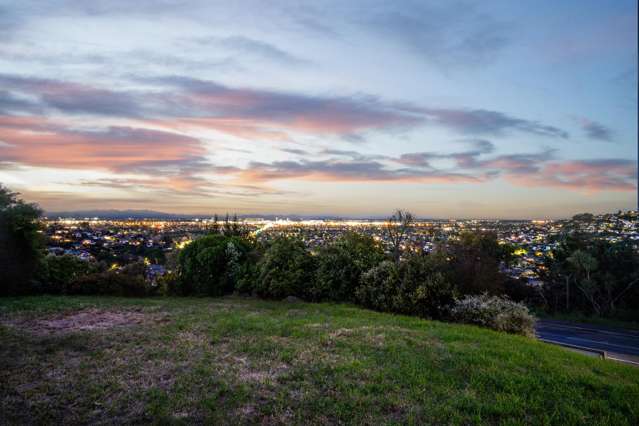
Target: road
[(618, 343)]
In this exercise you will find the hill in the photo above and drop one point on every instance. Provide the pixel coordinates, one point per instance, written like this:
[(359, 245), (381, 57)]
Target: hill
[(238, 360)]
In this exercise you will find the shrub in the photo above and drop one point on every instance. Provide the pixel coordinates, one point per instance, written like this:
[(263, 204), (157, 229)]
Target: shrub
[(58, 272), (425, 288), (494, 312), (417, 286), (168, 284), (341, 264), (379, 287), (128, 281), (210, 265), (286, 269)]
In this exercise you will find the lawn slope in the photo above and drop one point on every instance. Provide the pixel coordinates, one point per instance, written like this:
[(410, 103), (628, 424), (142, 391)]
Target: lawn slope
[(235, 360)]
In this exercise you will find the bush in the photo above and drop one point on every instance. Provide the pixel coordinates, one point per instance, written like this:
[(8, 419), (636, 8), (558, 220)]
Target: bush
[(211, 265), (379, 287), (128, 281), (425, 288), (286, 269), (168, 284), (58, 272), (494, 312), (340, 266), (417, 286)]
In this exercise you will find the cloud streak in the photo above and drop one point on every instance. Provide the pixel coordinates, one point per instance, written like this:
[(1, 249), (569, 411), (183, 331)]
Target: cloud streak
[(345, 171), (38, 142), (182, 102), (259, 49), (492, 123), (583, 175), (596, 131), (451, 35)]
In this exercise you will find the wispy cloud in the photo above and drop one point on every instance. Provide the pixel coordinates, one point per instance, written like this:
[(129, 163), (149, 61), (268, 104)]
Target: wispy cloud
[(73, 98), (448, 35), (478, 164), (250, 113), (345, 171), (595, 130), (583, 175), (487, 122), (257, 48)]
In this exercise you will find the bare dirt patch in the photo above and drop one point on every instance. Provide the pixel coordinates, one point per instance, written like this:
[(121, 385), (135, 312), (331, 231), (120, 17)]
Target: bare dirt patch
[(84, 320)]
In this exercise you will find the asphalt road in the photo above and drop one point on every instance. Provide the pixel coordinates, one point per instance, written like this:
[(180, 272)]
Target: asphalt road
[(617, 342)]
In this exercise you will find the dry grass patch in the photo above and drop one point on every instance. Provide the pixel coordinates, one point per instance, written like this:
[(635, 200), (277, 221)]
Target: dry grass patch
[(85, 320)]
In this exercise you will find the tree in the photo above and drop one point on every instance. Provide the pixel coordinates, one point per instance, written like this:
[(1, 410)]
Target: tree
[(21, 244), (583, 264), (209, 265), (286, 269), (425, 286), (341, 264), (397, 227), (379, 287), (475, 259), (605, 273), (233, 227), (583, 217), (215, 226)]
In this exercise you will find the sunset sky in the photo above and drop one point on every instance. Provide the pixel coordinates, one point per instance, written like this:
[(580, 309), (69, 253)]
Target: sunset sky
[(502, 109)]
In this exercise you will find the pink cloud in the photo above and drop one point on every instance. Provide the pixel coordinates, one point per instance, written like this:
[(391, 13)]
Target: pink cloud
[(583, 175), (37, 142)]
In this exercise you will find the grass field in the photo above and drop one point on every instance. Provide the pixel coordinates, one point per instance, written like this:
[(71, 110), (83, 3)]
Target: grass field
[(235, 360)]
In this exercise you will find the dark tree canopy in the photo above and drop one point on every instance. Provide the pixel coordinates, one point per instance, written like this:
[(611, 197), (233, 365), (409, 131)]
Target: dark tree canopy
[(475, 260), (341, 264), (286, 269), (593, 276), (21, 245), (209, 265)]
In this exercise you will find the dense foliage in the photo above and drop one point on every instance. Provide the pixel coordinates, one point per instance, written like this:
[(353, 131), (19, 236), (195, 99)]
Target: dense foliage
[(417, 286), (210, 265), (425, 288), (474, 261), (20, 244), (341, 264), (378, 288), (286, 269), (593, 276), (127, 281), (60, 273)]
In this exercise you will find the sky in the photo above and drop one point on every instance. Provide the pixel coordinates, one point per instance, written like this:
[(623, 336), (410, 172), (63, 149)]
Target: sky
[(449, 109)]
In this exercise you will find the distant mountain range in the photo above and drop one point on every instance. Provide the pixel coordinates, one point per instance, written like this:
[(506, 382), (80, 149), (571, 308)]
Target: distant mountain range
[(152, 214), (120, 214)]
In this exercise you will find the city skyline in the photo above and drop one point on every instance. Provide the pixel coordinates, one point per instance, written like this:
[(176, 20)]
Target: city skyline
[(446, 109)]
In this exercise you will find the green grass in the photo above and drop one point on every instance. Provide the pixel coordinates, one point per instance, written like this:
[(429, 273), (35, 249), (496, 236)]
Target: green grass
[(242, 361)]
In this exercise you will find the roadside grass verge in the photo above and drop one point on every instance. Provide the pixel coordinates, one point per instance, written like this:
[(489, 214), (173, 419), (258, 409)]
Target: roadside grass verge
[(578, 317), (239, 361)]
